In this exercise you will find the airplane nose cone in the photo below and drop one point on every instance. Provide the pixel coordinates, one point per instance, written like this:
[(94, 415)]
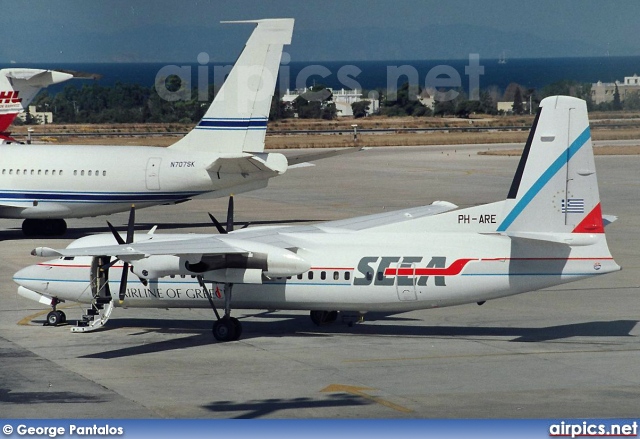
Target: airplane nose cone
[(32, 277)]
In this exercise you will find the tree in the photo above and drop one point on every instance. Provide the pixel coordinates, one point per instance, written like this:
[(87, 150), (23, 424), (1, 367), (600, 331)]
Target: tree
[(360, 108), (617, 105), (518, 108)]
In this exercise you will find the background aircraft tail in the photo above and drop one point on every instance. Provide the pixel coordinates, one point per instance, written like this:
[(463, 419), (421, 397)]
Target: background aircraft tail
[(19, 86), (555, 188), (236, 121)]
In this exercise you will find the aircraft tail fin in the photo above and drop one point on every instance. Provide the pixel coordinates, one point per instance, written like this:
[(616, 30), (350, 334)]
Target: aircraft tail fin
[(236, 121), (19, 86), (555, 188)]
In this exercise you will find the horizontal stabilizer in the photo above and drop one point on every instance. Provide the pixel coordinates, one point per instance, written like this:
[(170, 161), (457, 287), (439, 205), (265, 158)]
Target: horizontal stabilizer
[(249, 163)]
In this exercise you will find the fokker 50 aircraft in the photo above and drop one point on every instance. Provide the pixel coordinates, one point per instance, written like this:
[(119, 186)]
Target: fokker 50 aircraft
[(18, 87), (224, 153), (549, 231)]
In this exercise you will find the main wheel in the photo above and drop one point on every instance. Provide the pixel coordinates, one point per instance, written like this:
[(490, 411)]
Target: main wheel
[(321, 318), (224, 330)]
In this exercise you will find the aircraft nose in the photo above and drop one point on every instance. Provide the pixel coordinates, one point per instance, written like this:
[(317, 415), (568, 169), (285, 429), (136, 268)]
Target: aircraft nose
[(33, 278)]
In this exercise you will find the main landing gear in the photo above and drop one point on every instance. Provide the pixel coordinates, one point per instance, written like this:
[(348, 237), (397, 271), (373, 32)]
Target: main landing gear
[(55, 317), (44, 227), (225, 328)]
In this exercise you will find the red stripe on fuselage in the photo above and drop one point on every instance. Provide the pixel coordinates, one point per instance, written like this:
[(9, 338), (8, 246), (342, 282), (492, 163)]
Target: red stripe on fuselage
[(452, 270)]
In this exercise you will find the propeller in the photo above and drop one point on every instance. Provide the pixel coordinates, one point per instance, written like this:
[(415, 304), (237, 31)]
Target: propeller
[(125, 268), (229, 226)]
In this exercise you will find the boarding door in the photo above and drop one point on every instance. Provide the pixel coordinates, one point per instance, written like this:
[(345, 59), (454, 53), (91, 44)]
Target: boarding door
[(405, 281), (153, 173)]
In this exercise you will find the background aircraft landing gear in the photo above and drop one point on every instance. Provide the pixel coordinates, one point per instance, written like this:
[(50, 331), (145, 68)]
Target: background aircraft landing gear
[(44, 227), (321, 318)]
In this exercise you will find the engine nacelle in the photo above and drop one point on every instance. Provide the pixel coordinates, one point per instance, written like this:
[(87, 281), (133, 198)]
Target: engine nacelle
[(158, 266)]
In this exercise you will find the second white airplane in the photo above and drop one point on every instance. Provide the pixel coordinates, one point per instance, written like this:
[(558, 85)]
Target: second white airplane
[(224, 153), (549, 231)]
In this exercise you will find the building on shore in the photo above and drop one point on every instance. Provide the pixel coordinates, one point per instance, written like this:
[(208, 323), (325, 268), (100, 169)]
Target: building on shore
[(603, 91), (341, 98), (41, 117)]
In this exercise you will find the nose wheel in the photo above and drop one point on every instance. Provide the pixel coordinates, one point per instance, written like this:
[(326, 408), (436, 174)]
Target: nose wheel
[(55, 318)]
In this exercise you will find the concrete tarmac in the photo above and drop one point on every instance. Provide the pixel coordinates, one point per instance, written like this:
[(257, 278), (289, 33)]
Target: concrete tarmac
[(565, 352)]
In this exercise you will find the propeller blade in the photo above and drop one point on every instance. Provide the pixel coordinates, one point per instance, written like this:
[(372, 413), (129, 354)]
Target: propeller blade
[(230, 215), (131, 225), (123, 281), (115, 233), (221, 230)]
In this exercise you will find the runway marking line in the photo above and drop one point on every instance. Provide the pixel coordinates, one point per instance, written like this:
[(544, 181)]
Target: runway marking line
[(360, 391), (503, 354)]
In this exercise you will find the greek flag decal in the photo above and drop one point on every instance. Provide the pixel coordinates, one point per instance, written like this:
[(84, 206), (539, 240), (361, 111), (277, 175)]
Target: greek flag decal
[(573, 205)]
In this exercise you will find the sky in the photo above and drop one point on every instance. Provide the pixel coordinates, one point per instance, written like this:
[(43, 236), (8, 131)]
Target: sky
[(78, 31)]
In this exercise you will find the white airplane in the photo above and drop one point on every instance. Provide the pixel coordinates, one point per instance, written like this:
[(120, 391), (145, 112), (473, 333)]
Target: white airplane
[(224, 153), (18, 87), (549, 231)]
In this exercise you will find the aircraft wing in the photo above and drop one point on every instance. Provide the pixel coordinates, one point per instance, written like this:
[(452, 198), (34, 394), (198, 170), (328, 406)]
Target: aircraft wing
[(295, 160), (210, 245)]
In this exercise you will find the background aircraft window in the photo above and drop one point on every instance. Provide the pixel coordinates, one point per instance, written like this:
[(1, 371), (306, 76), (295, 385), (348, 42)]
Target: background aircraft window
[(75, 172), (46, 172), (17, 171), (323, 275), (24, 172), (104, 173), (97, 173), (53, 172), (32, 172), (310, 275), (60, 172), (39, 171), (10, 171), (89, 173), (336, 275), (82, 173), (3, 171), (347, 275)]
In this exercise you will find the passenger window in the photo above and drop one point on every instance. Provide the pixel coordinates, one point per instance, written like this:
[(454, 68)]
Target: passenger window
[(369, 275), (39, 171), (336, 275), (89, 173), (53, 172), (32, 172), (380, 275), (310, 275), (60, 172), (82, 173), (347, 275), (17, 171), (104, 173), (24, 172), (46, 172), (97, 173), (300, 276), (69, 258), (3, 171), (10, 171), (323, 275)]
